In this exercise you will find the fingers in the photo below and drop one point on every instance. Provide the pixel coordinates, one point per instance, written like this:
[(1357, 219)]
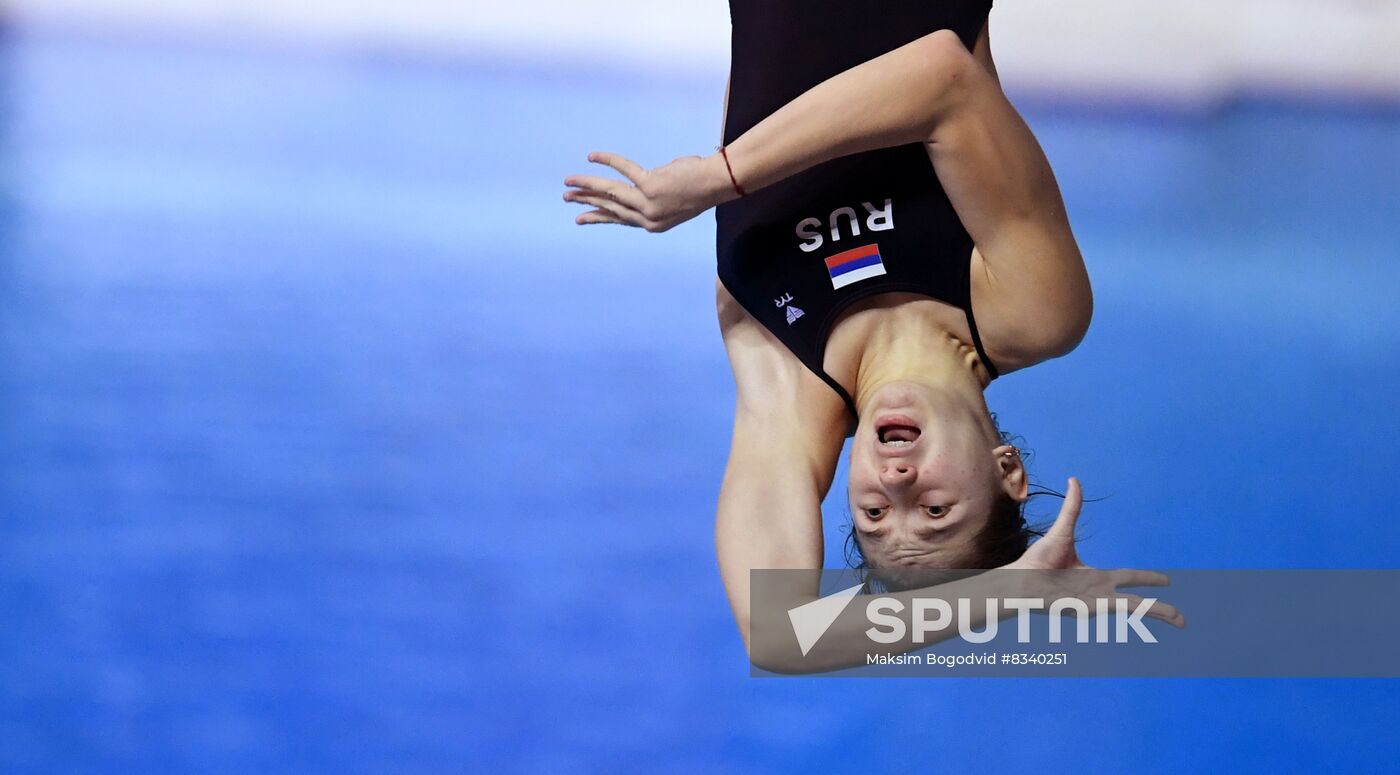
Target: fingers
[(1069, 511), (599, 216), (613, 200), (612, 207), (1160, 610), (1127, 577), (629, 169), (584, 195), (613, 189)]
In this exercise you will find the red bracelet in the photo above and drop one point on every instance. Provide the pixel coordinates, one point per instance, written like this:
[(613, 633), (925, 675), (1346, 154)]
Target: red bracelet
[(738, 189)]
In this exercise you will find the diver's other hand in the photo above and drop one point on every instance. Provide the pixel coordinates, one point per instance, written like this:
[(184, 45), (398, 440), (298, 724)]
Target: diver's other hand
[(1056, 549), (655, 200), (1058, 572)]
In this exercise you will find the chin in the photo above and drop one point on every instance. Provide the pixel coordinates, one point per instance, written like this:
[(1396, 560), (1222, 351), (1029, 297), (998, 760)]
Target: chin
[(896, 395)]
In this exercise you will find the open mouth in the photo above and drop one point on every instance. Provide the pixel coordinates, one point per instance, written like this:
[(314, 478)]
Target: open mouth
[(896, 431)]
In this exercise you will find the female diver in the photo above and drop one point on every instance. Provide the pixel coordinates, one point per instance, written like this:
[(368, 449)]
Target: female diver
[(875, 187)]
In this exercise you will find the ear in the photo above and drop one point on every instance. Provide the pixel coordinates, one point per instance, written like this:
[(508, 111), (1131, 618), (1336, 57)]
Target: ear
[(1012, 472)]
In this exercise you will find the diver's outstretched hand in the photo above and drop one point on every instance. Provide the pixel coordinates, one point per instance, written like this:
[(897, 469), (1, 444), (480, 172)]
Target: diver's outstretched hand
[(655, 200), (1058, 571), (1056, 549)]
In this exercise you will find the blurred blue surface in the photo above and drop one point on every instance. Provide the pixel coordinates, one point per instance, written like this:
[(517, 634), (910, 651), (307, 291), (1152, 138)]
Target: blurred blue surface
[(328, 443)]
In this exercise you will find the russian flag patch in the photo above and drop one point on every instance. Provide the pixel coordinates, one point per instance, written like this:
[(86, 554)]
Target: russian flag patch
[(854, 265)]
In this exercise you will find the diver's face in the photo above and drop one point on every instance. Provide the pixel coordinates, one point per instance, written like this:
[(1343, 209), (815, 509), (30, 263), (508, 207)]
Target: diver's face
[(923, 481)]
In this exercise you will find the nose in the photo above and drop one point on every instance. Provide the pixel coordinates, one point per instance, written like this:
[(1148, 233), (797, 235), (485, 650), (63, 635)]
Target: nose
[(897, 473)]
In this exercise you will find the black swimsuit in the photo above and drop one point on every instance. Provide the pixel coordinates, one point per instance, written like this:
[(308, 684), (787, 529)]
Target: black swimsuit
[(799, 252)]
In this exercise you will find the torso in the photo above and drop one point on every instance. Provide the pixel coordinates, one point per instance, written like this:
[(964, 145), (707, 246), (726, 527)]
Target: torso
[(773, 382), (806, 257)]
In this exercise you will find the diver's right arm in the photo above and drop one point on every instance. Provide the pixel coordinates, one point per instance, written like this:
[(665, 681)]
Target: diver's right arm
[(788, 431)]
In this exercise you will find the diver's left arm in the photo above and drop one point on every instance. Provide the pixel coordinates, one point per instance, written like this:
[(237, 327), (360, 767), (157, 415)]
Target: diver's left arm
[(893, 99)]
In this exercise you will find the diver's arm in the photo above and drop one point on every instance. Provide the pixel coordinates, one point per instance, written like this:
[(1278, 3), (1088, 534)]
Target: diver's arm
[(893, 99), (769, 513), (1029, 284), (1030, 288), (788, 431)]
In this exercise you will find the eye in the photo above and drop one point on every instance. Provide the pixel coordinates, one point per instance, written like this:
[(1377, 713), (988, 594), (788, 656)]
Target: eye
[(874, 512), (936, 511)]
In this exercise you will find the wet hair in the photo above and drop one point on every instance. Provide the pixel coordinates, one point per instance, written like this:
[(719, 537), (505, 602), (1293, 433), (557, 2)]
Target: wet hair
[(1005, 537)]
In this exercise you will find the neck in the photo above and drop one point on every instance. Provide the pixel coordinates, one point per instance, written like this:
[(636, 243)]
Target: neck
[(925, 356)]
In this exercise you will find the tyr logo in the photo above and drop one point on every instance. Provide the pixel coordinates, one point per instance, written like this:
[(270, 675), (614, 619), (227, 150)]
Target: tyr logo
[(881, 219)]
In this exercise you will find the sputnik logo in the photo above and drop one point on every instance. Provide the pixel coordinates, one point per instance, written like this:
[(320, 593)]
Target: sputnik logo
[(810, 621)]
